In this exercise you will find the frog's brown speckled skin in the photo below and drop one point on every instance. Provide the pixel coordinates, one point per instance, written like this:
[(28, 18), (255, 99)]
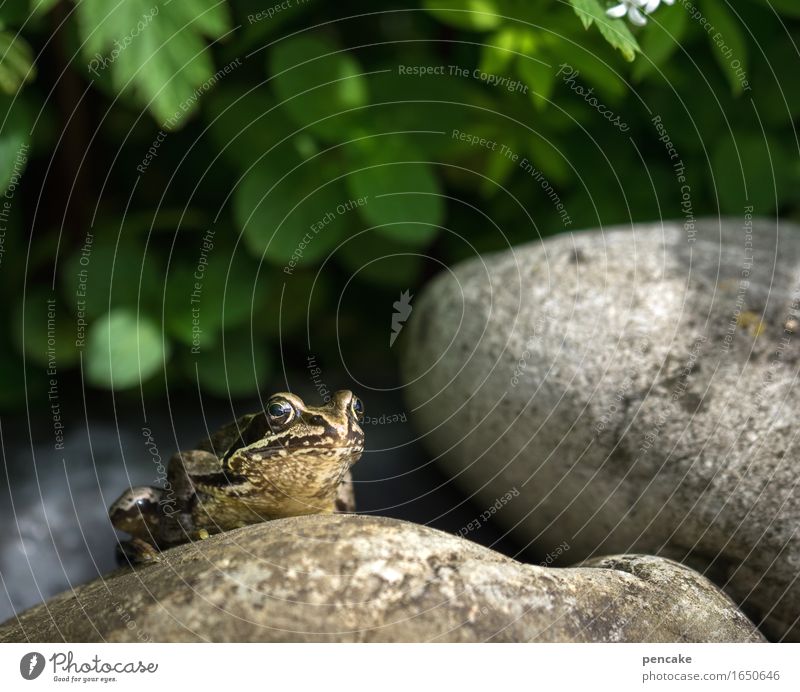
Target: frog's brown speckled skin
[(259, 467)]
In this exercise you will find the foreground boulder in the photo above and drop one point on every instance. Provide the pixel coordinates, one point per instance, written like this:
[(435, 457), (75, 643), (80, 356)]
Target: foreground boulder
[(638, 387), (353, 578)]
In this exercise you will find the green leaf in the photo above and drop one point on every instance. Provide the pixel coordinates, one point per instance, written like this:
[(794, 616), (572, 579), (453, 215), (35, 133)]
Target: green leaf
[(403, 199), (438, 103), (660, 38), (401, 191), (110, 275), (292, 222), (499, 51), (245, 124), (728, 44), (187, 322), (167, 219), (226, 297), (40, 7), (155, 50), (753, 172), (523, 46), (12, 380), (44, 330), (292, 301), (550, 159), (540, 79), (585, 10), (773, 84), (473, 15), (379, 260), (14, 147), (314, 81), (498, 170), (123, 349), (615, 31), (14, 13), (16, 62), (590, 67), (788, 7), (236, 368)]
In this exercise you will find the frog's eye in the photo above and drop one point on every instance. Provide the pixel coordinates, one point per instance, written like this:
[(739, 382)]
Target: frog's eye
[(280, 411), (358, 409)]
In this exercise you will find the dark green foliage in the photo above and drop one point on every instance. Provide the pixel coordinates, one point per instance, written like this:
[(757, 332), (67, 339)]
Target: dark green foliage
[(205, 192)]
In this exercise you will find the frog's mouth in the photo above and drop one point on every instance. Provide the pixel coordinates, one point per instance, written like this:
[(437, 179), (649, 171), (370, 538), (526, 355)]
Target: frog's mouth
[(297, 451), (295, 446), (321, 452)]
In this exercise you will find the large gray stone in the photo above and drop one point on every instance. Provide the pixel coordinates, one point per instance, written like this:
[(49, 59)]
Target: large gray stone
[(353, 578), (639, 387)]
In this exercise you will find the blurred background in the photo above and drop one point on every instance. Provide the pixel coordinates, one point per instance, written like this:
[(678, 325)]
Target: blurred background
[(205, 201)]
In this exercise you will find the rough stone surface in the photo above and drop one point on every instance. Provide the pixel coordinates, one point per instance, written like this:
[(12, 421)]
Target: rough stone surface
[(639, 387), (352, 578)]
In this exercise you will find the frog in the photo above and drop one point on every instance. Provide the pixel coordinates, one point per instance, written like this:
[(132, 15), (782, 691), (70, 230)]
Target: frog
[(287, 460)]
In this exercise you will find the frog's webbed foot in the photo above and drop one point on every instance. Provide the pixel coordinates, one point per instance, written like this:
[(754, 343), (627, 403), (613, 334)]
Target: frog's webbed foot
[(136, 552)]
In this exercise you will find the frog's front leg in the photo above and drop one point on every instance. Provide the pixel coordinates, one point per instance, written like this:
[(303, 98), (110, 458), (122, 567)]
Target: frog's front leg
[(184, 466), (178, 524)]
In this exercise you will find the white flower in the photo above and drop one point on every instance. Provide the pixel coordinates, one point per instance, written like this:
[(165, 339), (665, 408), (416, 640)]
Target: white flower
[(636, 9)]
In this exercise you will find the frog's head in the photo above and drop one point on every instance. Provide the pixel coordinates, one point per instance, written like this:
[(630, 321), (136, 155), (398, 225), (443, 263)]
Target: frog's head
[(300, 450), (333, 428)]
